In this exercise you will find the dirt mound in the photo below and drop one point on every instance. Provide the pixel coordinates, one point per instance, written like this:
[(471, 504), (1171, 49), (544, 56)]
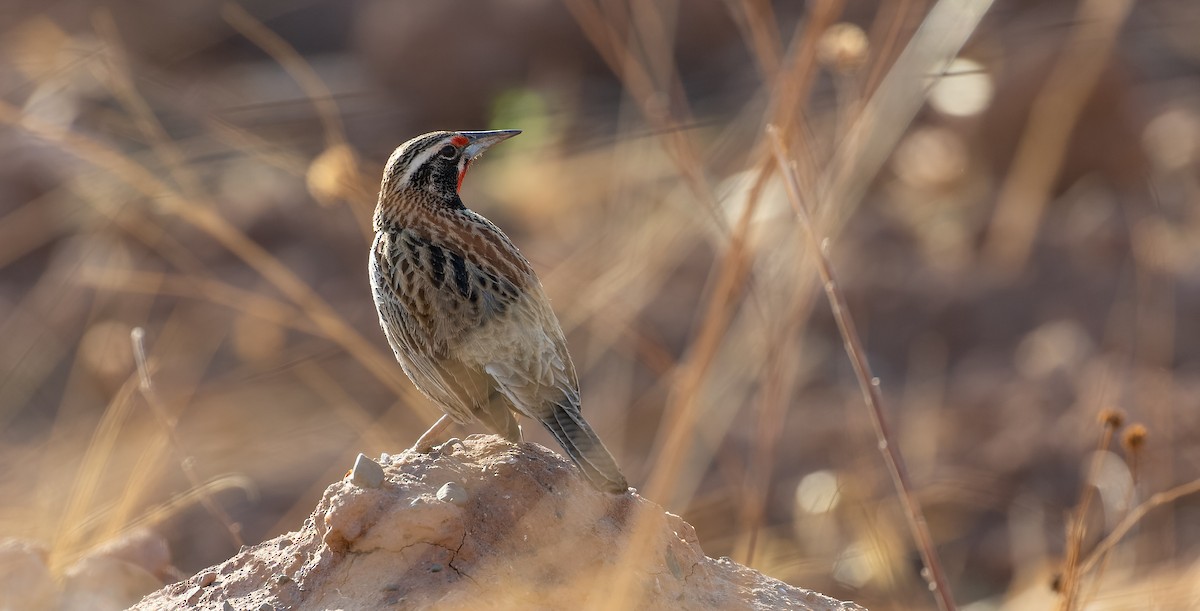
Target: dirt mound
[(481, 524)]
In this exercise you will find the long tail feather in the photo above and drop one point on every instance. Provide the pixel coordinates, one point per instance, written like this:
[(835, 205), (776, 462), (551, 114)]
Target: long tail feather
[(585, 449)]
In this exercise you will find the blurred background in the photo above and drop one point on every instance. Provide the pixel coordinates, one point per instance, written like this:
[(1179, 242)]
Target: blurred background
[(1011, 197)]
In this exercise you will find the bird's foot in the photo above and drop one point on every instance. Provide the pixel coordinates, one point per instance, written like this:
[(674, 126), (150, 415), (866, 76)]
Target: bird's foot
[(431, 447), (426, 442), (448, 446)]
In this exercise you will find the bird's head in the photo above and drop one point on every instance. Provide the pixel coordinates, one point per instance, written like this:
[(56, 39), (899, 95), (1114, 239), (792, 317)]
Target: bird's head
[(428, 171)]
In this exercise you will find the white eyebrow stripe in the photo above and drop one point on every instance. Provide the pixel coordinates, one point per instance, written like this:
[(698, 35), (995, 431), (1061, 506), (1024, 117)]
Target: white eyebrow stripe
[(419, 161)]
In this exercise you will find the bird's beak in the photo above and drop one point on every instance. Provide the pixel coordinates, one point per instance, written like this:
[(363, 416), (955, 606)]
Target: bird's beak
[(482, 141)]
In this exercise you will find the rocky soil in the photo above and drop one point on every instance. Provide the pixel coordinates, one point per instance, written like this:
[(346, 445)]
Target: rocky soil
[(481, 524)]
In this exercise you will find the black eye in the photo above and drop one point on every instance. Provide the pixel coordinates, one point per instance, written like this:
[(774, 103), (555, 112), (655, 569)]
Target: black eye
[(448, 152)]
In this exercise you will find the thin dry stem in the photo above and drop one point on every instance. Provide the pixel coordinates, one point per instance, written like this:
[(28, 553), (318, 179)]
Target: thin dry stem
[(682, 409), (771, 410), (186, 463), (655, 100), (653, 103), (868, 383), (1160, 341), (145, 229), (756, 19), (173, 505), (206, 219), (1128, 522), (669, 483), (873, 133), (121, 84), (200, 288), (89, 476), (885, 34), (1052, 118), (1077, 527), (25, 228), (316, 91), (295, 65)]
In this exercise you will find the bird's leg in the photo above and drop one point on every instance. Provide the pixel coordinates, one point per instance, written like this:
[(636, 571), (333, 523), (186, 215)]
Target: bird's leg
[(425, 443)]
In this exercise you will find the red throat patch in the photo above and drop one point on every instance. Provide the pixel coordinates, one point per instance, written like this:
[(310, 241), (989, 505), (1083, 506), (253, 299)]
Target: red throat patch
[(462, 174)]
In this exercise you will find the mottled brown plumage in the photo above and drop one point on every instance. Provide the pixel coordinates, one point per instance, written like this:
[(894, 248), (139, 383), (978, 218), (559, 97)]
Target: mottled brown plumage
[(465, 313)]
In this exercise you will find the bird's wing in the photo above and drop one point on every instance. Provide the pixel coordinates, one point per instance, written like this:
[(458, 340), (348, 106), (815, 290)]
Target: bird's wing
[(529, 360), (537, 377), (467, 289), (420, 341)]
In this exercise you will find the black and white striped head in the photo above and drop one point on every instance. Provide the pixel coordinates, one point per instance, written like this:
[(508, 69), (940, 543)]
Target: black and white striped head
[(430, 168)]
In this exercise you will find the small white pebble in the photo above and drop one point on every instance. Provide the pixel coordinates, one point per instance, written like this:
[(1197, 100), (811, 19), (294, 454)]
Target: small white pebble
[(452, 492), (193, 595), (366, 473)]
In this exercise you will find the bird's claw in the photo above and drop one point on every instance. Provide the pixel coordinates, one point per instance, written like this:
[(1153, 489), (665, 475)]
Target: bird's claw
[(430, 447), (449, 444)]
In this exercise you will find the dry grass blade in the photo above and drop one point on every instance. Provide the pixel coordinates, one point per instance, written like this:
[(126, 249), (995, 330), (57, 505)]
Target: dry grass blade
[(25, 229), (202, 289), (652, 101), (175, 504), (348, 177), (874, 133), (869, 384), (120, 81), (1077, 526), (68, 538), (670, 482), (146, 386), (290, 60), (206, 219), (1052, 119), (1131, 520), (682, 410), (757, 21)]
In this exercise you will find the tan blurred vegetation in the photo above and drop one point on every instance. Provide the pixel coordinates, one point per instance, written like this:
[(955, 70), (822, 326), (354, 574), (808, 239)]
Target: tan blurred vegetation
[(1015, 226)]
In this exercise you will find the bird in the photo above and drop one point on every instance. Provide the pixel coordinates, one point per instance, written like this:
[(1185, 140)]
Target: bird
[(465, 313)]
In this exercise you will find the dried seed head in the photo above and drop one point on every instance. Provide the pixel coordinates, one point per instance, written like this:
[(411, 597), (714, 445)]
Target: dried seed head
[(1135, 438), (843, 48), (1112, 418), (331, 177)]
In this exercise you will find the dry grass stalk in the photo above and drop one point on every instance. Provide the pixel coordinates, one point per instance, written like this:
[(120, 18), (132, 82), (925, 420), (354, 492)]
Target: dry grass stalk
[(186, 462), (357, 194), (1128, 522), (1043, 145), (69, 537), (1111, 420), (205, 289), (206, 219), (655, 86), (868, 383), (291, 61)]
